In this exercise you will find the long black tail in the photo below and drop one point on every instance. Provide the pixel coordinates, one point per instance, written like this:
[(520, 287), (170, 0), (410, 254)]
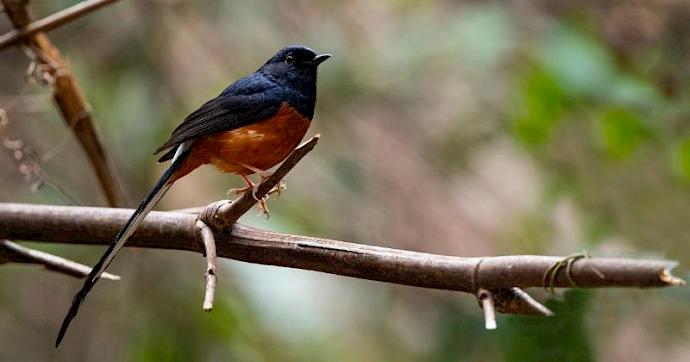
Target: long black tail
[(144, 208)]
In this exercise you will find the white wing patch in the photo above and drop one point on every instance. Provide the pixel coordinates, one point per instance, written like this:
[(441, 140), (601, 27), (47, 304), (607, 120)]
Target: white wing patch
[(254, 133)]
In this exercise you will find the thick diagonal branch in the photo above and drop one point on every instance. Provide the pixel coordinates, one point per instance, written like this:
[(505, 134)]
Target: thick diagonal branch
[(69, 100)]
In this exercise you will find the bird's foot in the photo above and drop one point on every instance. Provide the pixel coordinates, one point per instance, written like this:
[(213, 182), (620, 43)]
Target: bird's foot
[(262, 202), (280, 187), (263, 207)]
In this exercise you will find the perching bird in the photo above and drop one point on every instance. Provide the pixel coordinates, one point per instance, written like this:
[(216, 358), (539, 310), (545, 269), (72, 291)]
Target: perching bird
[(254, 124)]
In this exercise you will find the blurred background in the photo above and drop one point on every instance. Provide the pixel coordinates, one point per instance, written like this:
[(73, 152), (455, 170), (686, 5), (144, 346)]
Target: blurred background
[(455, 127)]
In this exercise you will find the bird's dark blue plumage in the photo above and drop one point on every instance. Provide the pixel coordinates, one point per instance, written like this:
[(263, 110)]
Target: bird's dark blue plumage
[(255, 97)]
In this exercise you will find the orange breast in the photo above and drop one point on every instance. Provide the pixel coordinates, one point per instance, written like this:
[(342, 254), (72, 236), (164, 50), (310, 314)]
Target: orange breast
[(260, 145)]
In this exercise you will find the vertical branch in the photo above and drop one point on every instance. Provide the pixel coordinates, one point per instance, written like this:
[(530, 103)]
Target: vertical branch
[(70, 101), (486, 301), (209, 242)]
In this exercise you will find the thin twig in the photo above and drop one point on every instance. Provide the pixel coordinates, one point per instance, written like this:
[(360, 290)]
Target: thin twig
[(206, 235), (486, 301), (29, 163), (14, 253), (52, 21)]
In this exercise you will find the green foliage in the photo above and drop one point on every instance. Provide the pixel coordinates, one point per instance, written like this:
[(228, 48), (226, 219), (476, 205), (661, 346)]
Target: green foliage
[(621, 131), (531, 232), (461, 336), (683, 158), (564, 337), (542, 105)]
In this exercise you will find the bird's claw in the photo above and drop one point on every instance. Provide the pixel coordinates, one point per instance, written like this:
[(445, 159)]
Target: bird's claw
[(254, 188), (262, 202), (278, 188)]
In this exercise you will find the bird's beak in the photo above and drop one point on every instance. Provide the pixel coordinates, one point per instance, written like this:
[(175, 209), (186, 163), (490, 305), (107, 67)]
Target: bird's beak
[(320, 59)]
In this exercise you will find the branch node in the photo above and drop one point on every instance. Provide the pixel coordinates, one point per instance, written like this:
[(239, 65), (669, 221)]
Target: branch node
[(209, 214), (475, 274)]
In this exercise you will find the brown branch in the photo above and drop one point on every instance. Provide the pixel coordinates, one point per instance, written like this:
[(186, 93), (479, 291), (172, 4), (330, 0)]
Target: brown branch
[(14, 253), (69, 99), (206, 235), (48, 23), (169, 230)]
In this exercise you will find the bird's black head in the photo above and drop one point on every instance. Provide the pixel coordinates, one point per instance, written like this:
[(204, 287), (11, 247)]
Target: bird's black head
[(294, 66)]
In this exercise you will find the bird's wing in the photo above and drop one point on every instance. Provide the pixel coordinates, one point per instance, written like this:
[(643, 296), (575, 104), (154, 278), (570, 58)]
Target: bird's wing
[(246, 101)]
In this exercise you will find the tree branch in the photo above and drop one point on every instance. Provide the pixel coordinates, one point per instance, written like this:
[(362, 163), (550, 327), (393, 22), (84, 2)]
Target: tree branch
[(52, 69), (50, 22), (172, 230), (14, 253)]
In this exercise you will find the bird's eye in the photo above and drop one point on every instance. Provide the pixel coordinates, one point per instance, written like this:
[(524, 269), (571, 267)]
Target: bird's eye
[(289, 59)]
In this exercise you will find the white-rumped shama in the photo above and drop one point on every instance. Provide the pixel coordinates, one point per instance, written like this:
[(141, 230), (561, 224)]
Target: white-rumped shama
[(254, 124)]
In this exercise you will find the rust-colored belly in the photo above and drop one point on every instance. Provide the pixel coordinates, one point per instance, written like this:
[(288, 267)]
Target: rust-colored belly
[(260, 145)]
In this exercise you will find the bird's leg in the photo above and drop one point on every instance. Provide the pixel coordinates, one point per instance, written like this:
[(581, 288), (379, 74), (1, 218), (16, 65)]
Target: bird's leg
[(249, 185), (261, 202)]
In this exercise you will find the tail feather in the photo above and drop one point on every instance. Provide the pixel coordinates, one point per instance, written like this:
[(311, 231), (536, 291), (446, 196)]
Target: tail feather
[(137, 217)]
